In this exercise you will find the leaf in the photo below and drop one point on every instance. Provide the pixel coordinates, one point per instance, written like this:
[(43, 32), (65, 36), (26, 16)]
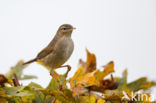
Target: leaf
[(3, 100), (13, 90), (87, 79), (88, 85), (91, 77), (57, 81), (16, 91), (92, 99), (123, 81), (108, 68), (18, 70), (35, 85), (80, 80), (68, 94), (100, 101), (22, 94), (3, 94), (26, 77), (52, 85), (38, 96), (78, 74), (57, 101), (79, 90), (3, 80), (141, 83), (59, 96), (49, 99), (104, 85), (91, 62)]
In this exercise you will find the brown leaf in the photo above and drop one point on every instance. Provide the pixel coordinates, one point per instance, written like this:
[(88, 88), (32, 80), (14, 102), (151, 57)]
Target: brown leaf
[(3, 80), (104, 85)]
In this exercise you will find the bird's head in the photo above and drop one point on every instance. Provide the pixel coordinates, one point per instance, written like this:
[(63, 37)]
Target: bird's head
[(65, 29)]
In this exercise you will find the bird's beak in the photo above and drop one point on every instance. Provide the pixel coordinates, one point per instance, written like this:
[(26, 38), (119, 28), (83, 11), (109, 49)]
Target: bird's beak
[(73, 28)]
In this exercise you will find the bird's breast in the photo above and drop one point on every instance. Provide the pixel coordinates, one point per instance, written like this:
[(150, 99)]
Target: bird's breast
[(65, 47), (62, 52)]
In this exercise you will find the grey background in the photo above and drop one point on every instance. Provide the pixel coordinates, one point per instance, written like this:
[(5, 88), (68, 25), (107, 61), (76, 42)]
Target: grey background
[(120, 30)]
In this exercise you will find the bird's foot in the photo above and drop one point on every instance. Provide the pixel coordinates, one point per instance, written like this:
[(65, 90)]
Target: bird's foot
[(68, 67)]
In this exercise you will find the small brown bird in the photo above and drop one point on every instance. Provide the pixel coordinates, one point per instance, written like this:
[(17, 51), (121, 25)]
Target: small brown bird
[(59, 49)]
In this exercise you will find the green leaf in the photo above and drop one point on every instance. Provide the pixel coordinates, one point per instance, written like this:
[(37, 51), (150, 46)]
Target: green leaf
[(141, 83), (123, 81), (38, 96), (18, 70), (16, 91), (52, 85), (35, 85), (13, 90), (48, 99), (22, 94), (26, 77)]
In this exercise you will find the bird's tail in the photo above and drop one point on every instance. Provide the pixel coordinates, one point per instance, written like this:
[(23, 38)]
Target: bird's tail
[(30, 61)]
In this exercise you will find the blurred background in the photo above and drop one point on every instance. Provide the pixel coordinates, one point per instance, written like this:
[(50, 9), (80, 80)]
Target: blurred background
[(119, 30)]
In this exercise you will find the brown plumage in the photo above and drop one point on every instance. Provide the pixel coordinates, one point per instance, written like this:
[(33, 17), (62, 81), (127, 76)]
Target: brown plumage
[(59, 49)]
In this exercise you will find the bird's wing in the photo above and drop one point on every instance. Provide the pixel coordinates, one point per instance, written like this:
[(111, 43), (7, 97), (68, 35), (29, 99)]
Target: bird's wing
[(49, 49), (46, 51)]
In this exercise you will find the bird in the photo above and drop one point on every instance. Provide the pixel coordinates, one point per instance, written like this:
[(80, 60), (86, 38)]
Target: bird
[(58, 51)]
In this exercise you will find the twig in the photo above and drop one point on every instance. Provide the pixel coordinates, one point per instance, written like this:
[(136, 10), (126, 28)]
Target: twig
[(53, 101), (15, 80), (112, 77)]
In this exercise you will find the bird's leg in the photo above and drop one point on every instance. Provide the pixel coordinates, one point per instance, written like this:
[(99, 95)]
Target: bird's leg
[(53, 75), (68, 67), (52, 72)]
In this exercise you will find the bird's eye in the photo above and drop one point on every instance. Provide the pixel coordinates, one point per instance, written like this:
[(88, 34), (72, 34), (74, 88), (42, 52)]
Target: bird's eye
[(64, 28)]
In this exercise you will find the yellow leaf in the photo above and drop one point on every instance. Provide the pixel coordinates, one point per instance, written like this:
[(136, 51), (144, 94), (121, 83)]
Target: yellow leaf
[(91, 62), (109, 68), (24, 100), (78, 74), (100, 101), (2, 100), (92, 99), (57, 101), (87, 79), (78, 90), (83, 79), (3, 93)]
